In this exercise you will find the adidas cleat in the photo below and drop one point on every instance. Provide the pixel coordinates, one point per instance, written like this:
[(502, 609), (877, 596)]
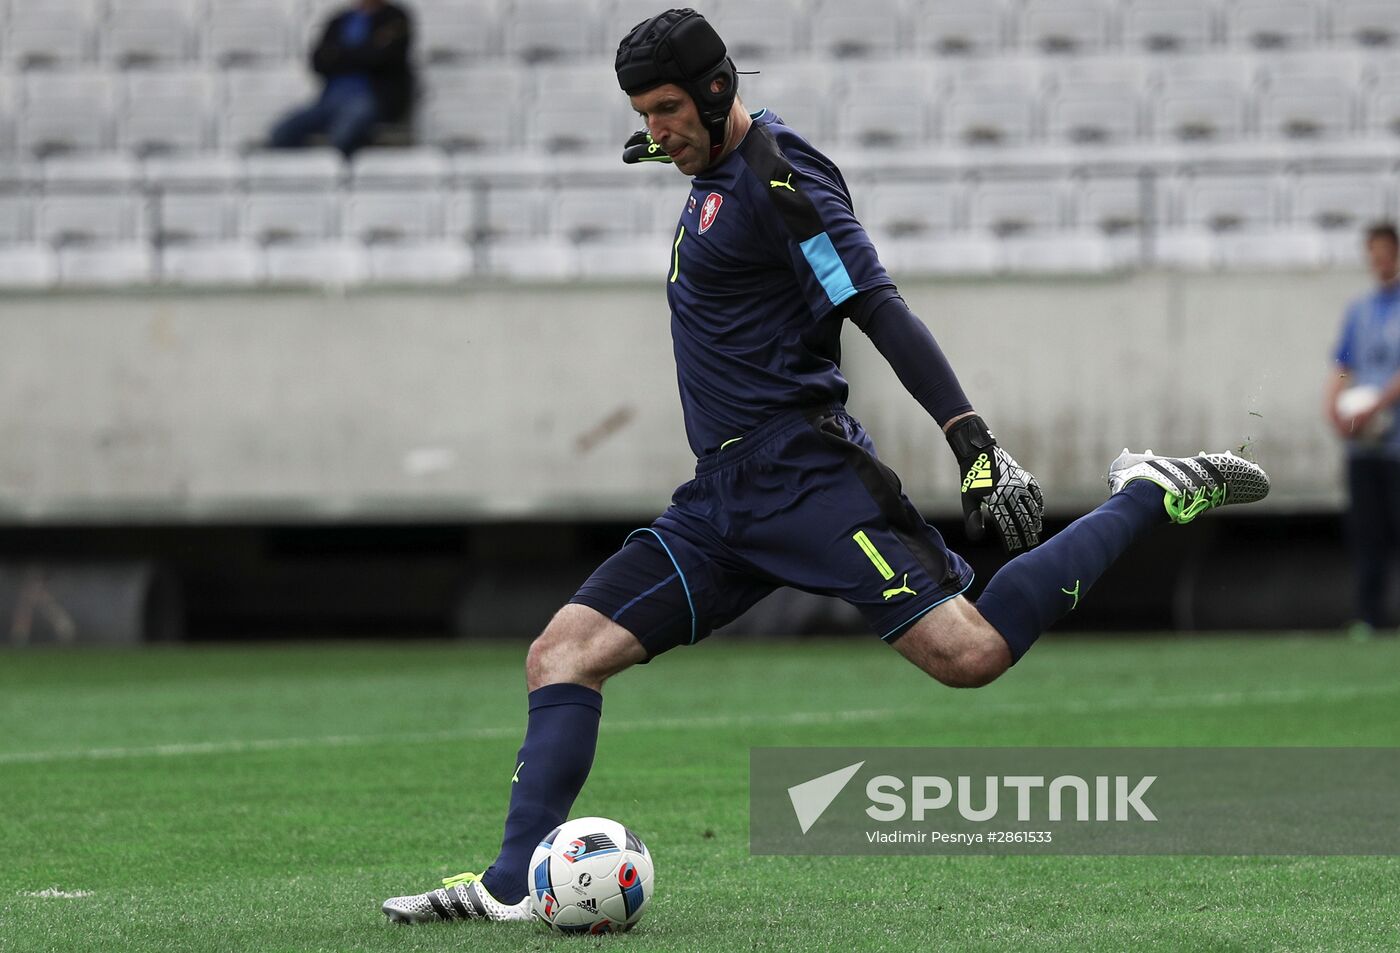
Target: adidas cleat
[(1192, 484), (459, 898)]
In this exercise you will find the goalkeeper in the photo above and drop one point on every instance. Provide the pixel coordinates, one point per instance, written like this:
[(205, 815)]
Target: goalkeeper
[(766, 265)]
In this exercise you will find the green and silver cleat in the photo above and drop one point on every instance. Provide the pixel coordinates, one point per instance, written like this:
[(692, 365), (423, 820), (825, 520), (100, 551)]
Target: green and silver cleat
[(1192, 485)]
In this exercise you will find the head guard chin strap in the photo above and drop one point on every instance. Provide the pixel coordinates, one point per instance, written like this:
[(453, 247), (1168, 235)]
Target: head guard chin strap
[(680, 46)]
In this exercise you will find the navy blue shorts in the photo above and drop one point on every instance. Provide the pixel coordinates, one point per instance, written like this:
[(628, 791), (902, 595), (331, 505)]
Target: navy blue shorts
[(802, 501)]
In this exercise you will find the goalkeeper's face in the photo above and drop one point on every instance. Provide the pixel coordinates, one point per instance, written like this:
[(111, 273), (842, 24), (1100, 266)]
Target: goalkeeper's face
[(674, 123)]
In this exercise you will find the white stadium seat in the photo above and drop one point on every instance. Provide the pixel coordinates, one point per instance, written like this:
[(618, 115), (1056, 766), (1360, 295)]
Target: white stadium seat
[(1200, 110), (279, 217), (182, 217), (250, 32), (1316, 107), (27, 266), (418, 167), (872, 28), (799, 92), (581, 214), (754, 33), (196, 170), (16, 217), (86, 218), (935, 255), (139, 33), (882, 119), (66, 112), (536, 259), (509, 212), (1169, 26), (1342, 203), (253, 100), (623, 257), (317, 264), (1016, 208), (1228, 203), (957, 28), (393, 215), (1093, 113), (1118, 207), (233, 264), (420, 263), (908, 209), (578, 115), (541, 30), (990, 114), (1273, 24), (1065, 26), (94, 171), (165, 112), (1366, 23), (471, 108), (1060, 253), (455, 31), (106, 265), (50, 34), (317, 169), (1383, 111)]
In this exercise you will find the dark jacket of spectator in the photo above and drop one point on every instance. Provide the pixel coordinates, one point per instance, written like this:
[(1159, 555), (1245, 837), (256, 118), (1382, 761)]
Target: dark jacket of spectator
[(384, 58)]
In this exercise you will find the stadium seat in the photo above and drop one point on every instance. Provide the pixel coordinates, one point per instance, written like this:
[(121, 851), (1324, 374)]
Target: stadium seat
[(252, 100), (1273, 24), (1059, 253), (98, 171), (278, 217), (1192, 110), (141, 33), (27, 266), (319, 169), (180, 217), (957, 28), (455, 31), (393, 216), (503, 212), (233, 264), (934, 255), (909, 209), (543, 30), (884, 118), (65, 112), (1065, 26), (106, 265), (462, 107), (577, 109), (165, 112), (50, 34), (192, 171), (623, 257), (990, 114), (1315, 107), (76, 218), (1271, 249), (1227, 203), (874, 28), (1169, 26), (1093, 113), (553, 259), (582, 214), (16, 218), (250, 32), (1366, 23), (318, 264), (420, 263), (384, 167), (1383, 111), (1332, 202), (756, 33), (1119, 207), (1008, 208), (800, 92)]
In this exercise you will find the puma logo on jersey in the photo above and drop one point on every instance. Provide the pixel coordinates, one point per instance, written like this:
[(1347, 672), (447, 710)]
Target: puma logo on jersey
[(980, 476), (1074, 594), (775, 184), (903, 589)]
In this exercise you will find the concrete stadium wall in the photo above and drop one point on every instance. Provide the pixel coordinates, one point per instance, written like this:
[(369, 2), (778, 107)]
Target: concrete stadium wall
[(560, 402)]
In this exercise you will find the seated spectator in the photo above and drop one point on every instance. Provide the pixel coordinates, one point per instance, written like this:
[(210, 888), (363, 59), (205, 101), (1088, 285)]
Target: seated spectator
[(363, 56)]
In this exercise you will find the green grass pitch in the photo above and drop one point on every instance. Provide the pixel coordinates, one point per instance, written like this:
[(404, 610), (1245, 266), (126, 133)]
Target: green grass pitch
[(269, 799)]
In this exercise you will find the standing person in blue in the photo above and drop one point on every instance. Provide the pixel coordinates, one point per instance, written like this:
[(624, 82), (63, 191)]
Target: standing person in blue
[(767, 264), (1368, 356), (363, 58)]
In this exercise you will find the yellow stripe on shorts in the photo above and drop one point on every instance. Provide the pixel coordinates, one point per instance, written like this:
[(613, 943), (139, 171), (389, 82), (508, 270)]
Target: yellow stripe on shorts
[(867, 547)]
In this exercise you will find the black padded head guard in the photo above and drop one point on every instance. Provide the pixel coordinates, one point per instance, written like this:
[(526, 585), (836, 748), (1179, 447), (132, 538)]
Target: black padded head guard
[(680, 46)]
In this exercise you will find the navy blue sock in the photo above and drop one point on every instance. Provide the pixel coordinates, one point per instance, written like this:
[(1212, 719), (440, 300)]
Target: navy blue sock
[(1030, 592), (552, 765)]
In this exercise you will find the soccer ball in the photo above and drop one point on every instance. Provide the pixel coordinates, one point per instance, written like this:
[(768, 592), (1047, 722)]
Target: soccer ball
[(590, 875)]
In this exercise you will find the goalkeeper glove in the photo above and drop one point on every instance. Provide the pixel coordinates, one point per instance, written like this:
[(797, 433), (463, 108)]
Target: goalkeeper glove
[(991, 479), (640, 148)]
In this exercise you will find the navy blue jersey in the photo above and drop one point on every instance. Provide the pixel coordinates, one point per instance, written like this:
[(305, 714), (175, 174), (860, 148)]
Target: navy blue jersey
[(767, 249)]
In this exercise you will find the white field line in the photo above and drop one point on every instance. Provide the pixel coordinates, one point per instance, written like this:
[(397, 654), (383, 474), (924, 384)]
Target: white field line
[(53, 893), (1087, 706)]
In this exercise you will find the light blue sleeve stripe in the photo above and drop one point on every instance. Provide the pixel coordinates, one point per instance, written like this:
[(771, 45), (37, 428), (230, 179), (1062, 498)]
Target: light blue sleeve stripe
[(832, 274)]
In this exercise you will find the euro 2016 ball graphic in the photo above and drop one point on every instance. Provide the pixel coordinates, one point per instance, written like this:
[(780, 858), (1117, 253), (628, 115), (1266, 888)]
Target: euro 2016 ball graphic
[(590, 875)]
